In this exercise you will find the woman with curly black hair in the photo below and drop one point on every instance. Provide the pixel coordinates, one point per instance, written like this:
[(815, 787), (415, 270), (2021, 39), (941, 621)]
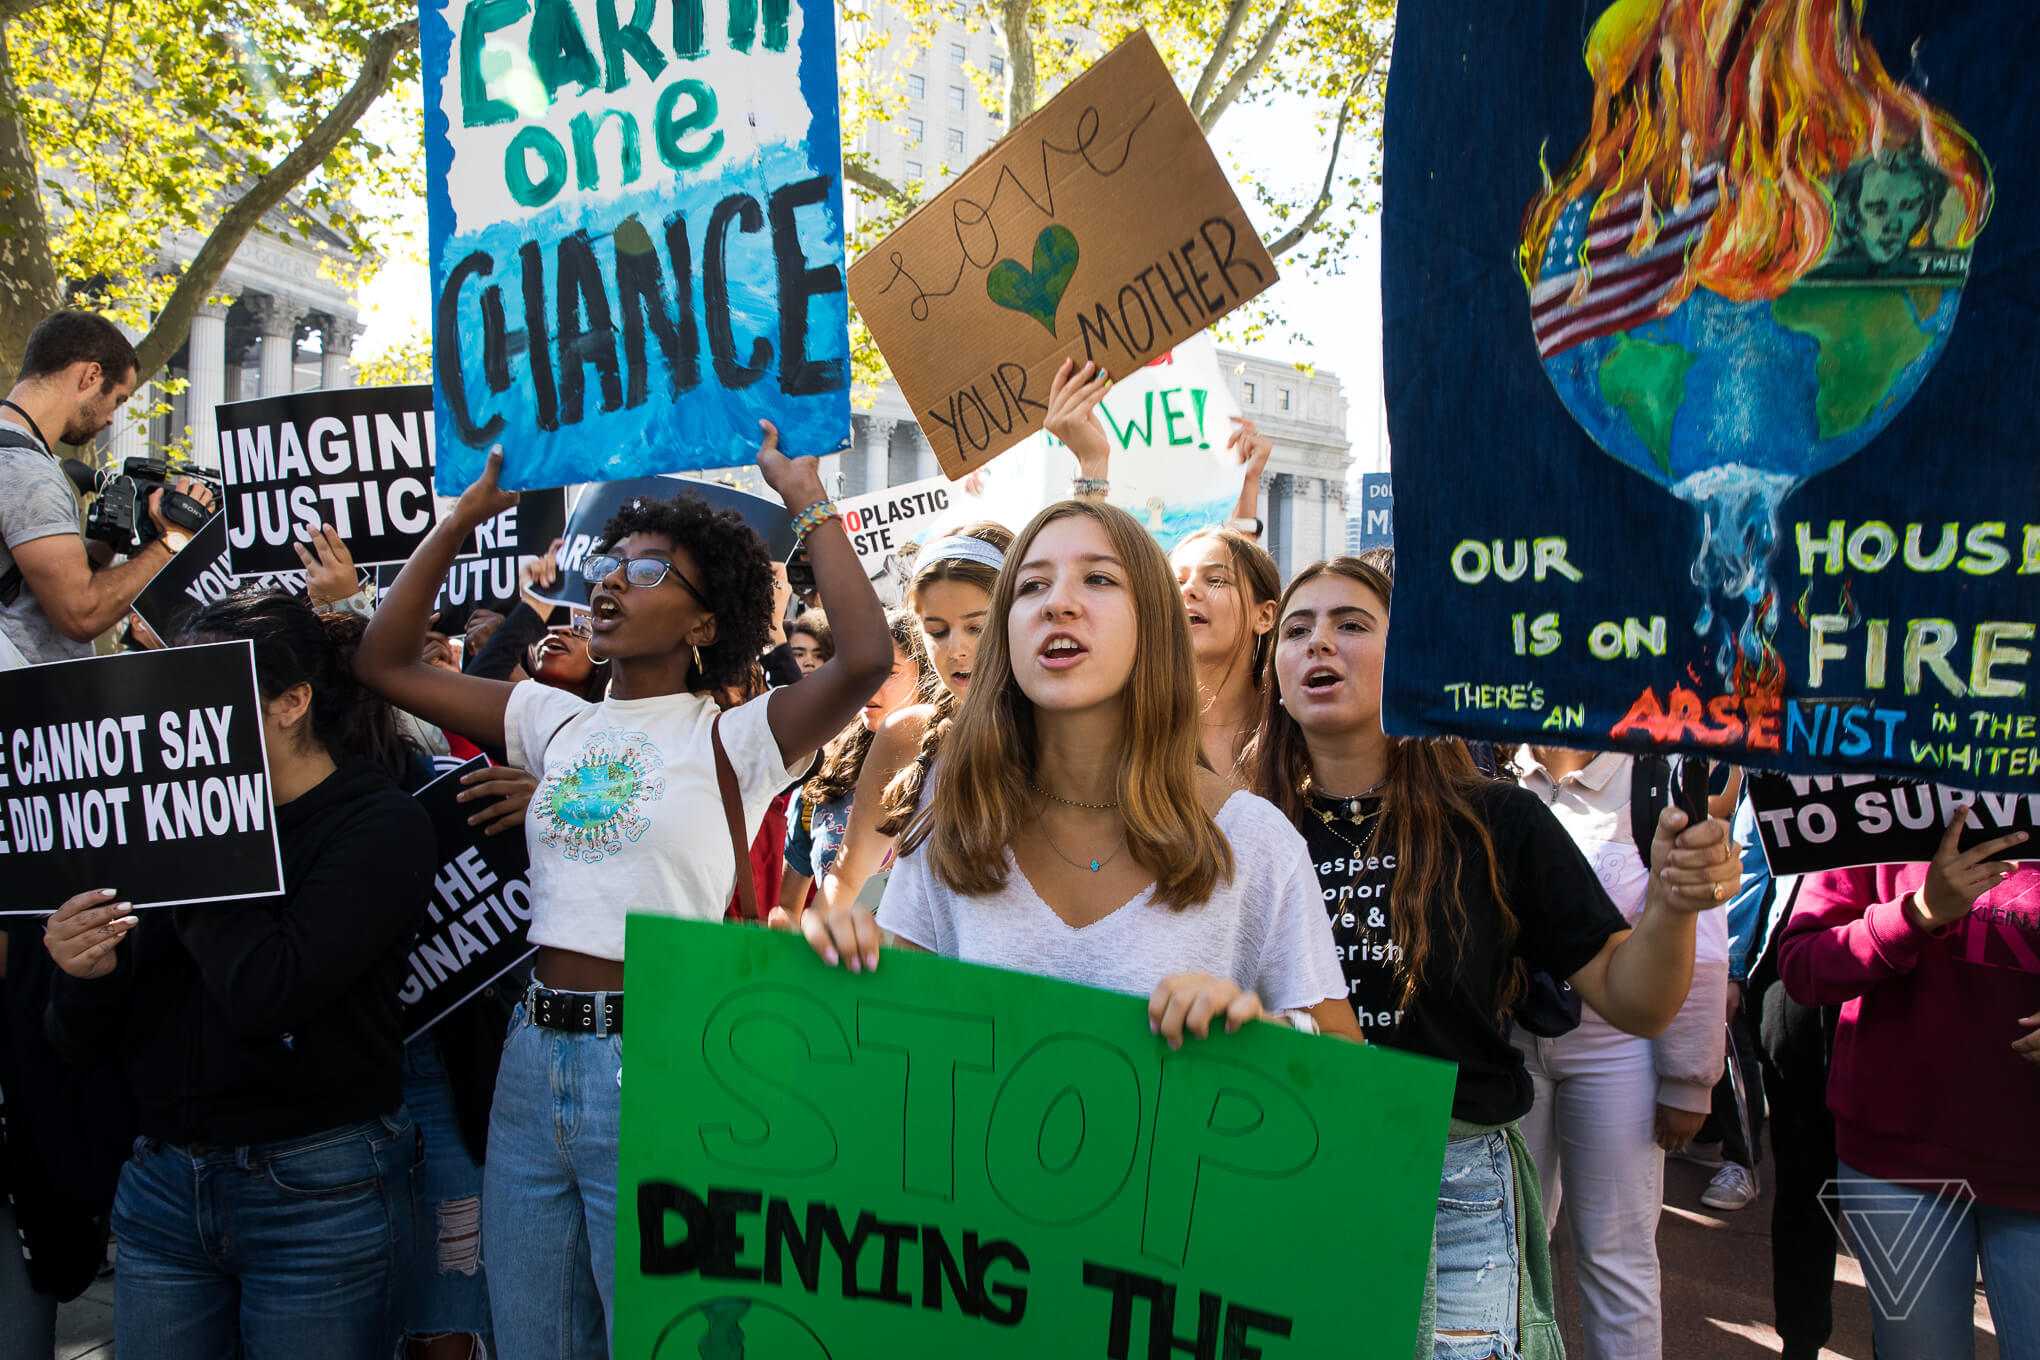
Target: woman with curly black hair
[(628, 817)]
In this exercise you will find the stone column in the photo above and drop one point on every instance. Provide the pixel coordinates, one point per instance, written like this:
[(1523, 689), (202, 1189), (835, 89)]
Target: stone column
[(877, 454), (207, 366), (336, 351), (276, 322), (129, 437)]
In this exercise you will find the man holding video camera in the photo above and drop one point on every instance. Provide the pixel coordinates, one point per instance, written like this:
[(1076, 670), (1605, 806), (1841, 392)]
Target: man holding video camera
[(57, 592)]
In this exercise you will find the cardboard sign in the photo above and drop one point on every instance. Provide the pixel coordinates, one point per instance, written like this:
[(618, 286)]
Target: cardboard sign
[(941, 1159), (636, 223), (1811, 823), (883, 522), (143, 772), (357, 458), (1167, 425), (1100, 228), (488, 580), (480, 907), (599, 504), (198, 576), (1709, 436)]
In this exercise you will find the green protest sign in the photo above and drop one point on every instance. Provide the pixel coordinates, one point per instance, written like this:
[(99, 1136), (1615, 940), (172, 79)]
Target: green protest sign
[(949, 1160)]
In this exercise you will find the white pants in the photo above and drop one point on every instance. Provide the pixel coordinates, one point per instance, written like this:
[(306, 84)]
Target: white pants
[(1591, 1132)]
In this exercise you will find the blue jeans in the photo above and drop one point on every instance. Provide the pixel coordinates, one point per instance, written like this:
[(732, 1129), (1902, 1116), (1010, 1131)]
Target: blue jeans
[(1920, 1265), (1474, 1263), (445, 1289), (549, 1192), (284, 1249)]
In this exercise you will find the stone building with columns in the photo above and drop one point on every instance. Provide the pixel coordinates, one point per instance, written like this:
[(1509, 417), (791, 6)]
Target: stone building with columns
[(1303, 492), (289, 328)]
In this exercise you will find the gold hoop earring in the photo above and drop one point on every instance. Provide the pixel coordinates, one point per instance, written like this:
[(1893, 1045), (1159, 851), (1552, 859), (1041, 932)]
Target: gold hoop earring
[(697, 660)]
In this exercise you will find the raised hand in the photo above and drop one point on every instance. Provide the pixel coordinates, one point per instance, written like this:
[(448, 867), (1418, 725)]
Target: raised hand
[(796, 481), (1957, 877), (1072, 416), (329, 566), (485, 498), (1250, 447)]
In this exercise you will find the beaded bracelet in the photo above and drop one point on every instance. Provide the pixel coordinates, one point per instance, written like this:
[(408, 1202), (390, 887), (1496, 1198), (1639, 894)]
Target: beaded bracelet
[(810, 519), (1088, 488)]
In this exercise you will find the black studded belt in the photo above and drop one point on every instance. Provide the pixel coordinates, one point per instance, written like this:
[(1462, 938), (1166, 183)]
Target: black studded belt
[(575, 1012)]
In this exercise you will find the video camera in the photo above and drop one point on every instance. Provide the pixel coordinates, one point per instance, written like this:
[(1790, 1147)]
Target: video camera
[(119, 515)]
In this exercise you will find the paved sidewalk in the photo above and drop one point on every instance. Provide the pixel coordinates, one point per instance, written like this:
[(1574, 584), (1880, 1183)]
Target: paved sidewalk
[(1717, 1283)]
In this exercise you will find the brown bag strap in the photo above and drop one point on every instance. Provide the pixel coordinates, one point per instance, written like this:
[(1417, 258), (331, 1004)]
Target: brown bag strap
[(733, 813)]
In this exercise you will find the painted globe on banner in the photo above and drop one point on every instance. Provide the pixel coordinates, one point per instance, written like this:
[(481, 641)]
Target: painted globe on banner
[(1749, 267), (738, 1329)]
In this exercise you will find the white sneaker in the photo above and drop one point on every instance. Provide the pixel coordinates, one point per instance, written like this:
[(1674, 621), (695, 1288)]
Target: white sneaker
[(1732, 1188)]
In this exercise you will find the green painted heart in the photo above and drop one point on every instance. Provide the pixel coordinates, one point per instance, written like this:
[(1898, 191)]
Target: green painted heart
[(1039, 291)]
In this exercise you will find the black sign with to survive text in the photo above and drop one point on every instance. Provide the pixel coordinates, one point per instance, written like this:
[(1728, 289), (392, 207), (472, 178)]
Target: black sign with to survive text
[(359, 459), (473, 931), (144, 773), (1812, 823)]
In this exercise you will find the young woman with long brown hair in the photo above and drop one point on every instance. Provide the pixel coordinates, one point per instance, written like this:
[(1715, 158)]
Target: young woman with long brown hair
[(1230, 586), (950, 597), (1071, 831), (822, 813), (1228, 581), (1441, 885)]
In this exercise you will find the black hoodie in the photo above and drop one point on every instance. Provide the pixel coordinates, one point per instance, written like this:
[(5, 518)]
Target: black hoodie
[(247, 1022)]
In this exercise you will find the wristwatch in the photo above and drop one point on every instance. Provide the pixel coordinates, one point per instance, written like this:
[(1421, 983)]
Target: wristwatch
[(175, 539), (1246, 524)]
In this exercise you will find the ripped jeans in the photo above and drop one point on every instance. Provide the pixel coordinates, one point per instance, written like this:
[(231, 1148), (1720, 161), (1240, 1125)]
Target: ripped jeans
[(446, 1289), (1475, 1307)]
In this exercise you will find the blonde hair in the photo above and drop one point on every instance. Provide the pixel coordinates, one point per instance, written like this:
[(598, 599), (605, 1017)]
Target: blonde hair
[(989, 756)]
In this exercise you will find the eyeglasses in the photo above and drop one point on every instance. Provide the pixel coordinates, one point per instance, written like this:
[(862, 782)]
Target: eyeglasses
[(640, 572)]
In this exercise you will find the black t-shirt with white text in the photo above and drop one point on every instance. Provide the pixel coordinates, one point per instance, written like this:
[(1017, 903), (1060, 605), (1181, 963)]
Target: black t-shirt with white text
[(1563, 917)]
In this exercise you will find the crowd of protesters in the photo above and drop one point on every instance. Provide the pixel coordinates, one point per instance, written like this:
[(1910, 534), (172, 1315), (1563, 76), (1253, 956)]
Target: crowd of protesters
[(1069, 753)]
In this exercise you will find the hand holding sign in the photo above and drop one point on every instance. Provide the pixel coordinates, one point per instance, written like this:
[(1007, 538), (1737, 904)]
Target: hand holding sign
[(509, 786), (485, 497), (1693, 867), (1191, 1001), (1072, 417), (1957, 877), (82, 935), (796, 481), (1250, 446), (845, 933), (329, 567)]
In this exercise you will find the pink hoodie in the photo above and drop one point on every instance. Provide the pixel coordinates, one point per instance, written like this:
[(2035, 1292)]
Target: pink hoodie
[(1924, 1084)]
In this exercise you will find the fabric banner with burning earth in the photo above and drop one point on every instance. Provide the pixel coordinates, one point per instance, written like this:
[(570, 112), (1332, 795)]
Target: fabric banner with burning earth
[(1747, 470)]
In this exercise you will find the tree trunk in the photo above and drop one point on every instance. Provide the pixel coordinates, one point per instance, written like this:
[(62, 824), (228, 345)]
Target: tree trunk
[(173, 323), (1016, 23), (29, 287)]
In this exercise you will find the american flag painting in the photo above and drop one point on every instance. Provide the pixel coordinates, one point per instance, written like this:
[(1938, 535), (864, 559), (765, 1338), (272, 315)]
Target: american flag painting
[(1614, 290)]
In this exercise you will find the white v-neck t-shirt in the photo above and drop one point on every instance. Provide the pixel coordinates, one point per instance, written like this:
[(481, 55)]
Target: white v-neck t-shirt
[(1265, 929)]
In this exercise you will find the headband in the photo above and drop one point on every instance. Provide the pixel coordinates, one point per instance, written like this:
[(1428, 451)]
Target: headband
[(961, 547)]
